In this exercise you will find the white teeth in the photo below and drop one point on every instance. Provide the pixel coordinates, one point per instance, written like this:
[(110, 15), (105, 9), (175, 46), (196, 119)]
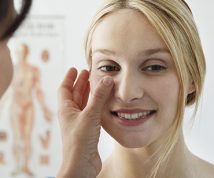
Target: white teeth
[(133, 116)]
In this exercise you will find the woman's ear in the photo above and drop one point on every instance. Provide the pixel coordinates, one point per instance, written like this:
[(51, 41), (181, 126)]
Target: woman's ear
[(191, 88), (191, 93)]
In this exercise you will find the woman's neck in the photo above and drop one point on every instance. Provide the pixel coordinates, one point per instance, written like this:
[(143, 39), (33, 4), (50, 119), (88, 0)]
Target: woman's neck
[(135, 163)]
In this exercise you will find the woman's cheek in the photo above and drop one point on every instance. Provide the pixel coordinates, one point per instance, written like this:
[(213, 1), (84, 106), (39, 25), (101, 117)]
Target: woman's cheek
[(94, 80)]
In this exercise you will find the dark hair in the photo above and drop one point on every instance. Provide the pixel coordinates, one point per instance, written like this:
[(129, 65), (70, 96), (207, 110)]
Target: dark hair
[(5, 6)]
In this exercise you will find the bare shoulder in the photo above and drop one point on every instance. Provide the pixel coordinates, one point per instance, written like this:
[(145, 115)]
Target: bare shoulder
[(106, 171), (205, 168)]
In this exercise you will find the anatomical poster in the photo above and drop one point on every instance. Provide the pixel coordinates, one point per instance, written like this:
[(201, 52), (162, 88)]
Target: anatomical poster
[(29, 143)]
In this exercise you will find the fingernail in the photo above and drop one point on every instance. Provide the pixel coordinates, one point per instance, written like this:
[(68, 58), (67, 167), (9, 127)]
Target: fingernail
[(107, 81)]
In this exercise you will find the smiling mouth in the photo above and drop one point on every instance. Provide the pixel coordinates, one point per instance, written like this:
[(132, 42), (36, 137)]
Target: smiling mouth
[(134, 116)]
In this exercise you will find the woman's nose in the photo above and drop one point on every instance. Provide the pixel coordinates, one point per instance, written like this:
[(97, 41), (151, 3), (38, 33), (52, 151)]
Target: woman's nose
[(128, 88)]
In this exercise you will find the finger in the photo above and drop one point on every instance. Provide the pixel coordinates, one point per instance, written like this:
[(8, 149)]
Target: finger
[(67, 84), (100, 96), (70, 78), (86, 95), (65, 90), (79, 88)]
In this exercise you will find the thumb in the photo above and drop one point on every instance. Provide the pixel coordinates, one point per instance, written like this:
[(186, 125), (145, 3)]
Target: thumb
[(100, 96)]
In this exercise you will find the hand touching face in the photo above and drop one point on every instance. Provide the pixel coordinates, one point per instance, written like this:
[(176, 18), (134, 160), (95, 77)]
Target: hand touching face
[(80, 122)]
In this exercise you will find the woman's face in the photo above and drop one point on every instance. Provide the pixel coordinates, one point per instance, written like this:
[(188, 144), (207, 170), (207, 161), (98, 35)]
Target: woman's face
[(144, 100), (6, 69)]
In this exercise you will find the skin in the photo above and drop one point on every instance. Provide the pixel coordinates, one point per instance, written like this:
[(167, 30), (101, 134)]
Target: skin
[(80, 124), (5, 67), (124, 35)]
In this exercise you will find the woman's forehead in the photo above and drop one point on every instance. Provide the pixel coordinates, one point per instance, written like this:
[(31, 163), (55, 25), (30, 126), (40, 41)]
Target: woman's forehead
[(128, 30)]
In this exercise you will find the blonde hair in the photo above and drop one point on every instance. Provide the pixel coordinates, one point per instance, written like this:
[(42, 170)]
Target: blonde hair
[(174, 22)]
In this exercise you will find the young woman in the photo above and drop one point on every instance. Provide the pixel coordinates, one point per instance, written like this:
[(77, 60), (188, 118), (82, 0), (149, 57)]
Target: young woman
[(146, 64), (9, 22)]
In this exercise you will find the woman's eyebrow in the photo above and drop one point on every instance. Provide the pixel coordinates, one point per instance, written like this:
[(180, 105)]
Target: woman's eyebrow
[(104, 51), (151, 51), (145, 52)]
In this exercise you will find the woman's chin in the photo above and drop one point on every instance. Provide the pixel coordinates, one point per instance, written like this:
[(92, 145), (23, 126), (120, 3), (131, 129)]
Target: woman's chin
[(131, 145), (128, 141)]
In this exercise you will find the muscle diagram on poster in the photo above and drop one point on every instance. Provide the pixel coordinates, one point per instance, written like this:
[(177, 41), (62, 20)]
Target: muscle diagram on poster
[(28, 110)]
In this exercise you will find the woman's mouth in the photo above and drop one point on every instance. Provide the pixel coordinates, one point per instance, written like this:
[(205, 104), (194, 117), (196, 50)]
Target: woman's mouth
[(132, 118)]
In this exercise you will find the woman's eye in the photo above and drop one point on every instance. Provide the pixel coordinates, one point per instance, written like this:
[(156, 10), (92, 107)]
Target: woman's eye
[(109, 68), (155, 68)]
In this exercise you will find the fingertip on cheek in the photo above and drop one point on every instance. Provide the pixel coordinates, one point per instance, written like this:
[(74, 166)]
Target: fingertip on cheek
[(107, 81)]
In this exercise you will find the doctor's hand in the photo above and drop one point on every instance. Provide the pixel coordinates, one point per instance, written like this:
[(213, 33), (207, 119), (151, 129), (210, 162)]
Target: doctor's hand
[(80, 123)]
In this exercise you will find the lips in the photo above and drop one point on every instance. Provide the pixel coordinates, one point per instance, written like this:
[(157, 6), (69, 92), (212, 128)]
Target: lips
[(133, 114)]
